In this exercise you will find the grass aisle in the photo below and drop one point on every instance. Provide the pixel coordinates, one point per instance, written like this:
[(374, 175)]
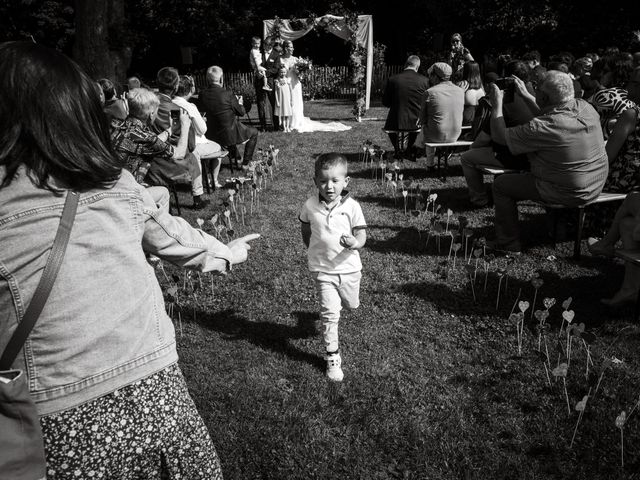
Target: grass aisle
[(434, 386)]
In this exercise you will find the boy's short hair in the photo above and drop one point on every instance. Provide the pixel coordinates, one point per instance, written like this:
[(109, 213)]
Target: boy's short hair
[(326, 161), (256, 39)]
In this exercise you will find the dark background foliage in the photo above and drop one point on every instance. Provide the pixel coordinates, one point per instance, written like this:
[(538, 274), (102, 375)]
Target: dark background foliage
[(148, 34)]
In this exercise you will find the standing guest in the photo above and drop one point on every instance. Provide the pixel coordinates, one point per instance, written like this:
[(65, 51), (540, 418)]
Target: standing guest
[(223, 110), (471, 83), (284, 108), (404, 95), (138, 146), (168, 80), (333, 230), (205, 148), (458, 55), (101, 360), (114, 107), (442, 110), (587, 83), (564, 147), (532, 60), (255, 60), (266, 99)]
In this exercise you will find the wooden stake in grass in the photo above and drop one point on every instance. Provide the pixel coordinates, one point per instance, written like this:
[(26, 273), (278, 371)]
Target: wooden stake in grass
[(456, 247), (620, 421), (404, 195), (467, 233), (561, 371), (471, 274), (580, 406), (537, 283), (501, 272), (449, 213), (523, 306)]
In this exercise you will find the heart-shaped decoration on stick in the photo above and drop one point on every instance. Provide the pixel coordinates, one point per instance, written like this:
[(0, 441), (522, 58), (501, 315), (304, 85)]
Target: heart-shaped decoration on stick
[(549, 302), (567, 303), (523, 305), (568, 315), (581, 405), (537, 282)]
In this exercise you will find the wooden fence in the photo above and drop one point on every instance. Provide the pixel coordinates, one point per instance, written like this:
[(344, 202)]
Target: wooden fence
[(322, 82)]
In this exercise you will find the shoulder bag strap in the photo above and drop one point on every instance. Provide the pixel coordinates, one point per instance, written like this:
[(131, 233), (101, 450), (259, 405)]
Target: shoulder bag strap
[(41, 294)]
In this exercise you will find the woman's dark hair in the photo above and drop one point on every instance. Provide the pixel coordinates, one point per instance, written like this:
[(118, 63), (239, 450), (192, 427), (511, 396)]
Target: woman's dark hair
[(620, 66), (471, 73), (185, 85), (517, 68), (51, 121)]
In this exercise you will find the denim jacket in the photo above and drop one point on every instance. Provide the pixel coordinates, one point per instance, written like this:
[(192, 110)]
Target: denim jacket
[(104, 325)]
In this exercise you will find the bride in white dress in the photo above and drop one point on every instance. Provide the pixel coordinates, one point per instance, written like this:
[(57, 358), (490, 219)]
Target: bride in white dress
[(299, 122)]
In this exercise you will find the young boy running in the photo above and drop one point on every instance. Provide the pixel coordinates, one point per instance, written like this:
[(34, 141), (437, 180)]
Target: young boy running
[(333, 229)]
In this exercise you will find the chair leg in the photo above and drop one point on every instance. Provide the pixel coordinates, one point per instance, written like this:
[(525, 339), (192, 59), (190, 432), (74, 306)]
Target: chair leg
[(204, 162), (579, 228), (172, 189)]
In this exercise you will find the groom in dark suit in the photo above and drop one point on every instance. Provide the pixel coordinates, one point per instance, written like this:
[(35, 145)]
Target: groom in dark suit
[(271, 62), (404, 95), (223, 109)]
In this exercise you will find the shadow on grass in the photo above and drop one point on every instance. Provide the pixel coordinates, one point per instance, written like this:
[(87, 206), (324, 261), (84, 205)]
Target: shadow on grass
[(269, 336), (456, 296)]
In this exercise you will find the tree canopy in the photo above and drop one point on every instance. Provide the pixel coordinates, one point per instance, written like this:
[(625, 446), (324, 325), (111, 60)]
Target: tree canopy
[(150, 33)]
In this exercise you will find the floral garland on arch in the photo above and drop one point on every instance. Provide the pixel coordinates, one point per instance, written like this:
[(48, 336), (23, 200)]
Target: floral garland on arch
[(357, 55), (358, 64)]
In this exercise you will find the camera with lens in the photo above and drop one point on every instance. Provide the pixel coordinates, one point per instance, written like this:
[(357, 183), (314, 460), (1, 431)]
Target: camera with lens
[(508, 85)]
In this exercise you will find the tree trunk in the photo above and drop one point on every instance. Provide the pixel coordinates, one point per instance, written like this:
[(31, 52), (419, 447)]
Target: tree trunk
[(100, 44)]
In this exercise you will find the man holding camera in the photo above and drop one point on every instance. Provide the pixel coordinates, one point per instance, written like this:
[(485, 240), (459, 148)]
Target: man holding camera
[(485, 152), (564, 145), (223, 110)]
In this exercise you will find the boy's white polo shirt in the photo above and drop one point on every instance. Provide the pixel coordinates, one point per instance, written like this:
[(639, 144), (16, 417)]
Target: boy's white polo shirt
[(325, 254)]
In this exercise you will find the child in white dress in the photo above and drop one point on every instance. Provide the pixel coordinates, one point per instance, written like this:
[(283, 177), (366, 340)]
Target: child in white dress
[(284, 108)]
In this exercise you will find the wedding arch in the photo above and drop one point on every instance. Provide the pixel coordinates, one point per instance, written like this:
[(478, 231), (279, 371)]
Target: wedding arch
[(358, 30)]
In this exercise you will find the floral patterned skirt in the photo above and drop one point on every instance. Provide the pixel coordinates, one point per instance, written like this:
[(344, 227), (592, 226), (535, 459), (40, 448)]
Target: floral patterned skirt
[(147, 430)]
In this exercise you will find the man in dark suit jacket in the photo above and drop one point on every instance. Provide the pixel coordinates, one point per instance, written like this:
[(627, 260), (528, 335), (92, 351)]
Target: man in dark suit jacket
[(223, 109), (404, 95), (271, 62)]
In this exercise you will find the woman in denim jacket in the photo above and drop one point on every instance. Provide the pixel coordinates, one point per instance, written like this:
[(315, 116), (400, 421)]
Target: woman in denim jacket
[(101, 359)]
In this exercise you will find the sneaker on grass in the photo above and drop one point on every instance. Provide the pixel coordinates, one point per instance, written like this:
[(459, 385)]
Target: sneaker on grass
[(334, 370)]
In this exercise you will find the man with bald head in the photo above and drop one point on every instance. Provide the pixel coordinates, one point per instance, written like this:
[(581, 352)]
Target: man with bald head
[(223, 108), (564, 145)]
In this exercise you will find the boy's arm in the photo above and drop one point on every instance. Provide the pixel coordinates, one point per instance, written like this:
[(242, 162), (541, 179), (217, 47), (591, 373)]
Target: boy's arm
[(305, 229), (355, 241)]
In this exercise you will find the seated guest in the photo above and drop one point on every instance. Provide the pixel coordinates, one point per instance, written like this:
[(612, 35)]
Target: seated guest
[(536, 70), (566, 152), (613, 74), (404, 94), (471, 83), (485, 151), (223, 108), (623, 152), (133, 82), (625, 227), (167, 80), (114, 107), (138, 146), (204, 148), (442, 110)]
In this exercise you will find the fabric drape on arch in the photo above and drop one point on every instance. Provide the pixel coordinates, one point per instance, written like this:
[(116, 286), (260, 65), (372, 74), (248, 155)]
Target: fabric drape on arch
[(337, 26)]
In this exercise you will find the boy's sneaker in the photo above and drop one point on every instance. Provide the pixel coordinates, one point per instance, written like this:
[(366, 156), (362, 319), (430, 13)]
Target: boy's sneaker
[(334, 370), (267, 88)]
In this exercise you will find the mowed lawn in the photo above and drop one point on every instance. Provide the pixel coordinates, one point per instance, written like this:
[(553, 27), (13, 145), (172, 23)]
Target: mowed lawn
[(435, 387)]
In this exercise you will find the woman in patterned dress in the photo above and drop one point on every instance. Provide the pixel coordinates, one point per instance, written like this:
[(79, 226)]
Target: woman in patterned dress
[(101, 360), (614, 73)]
